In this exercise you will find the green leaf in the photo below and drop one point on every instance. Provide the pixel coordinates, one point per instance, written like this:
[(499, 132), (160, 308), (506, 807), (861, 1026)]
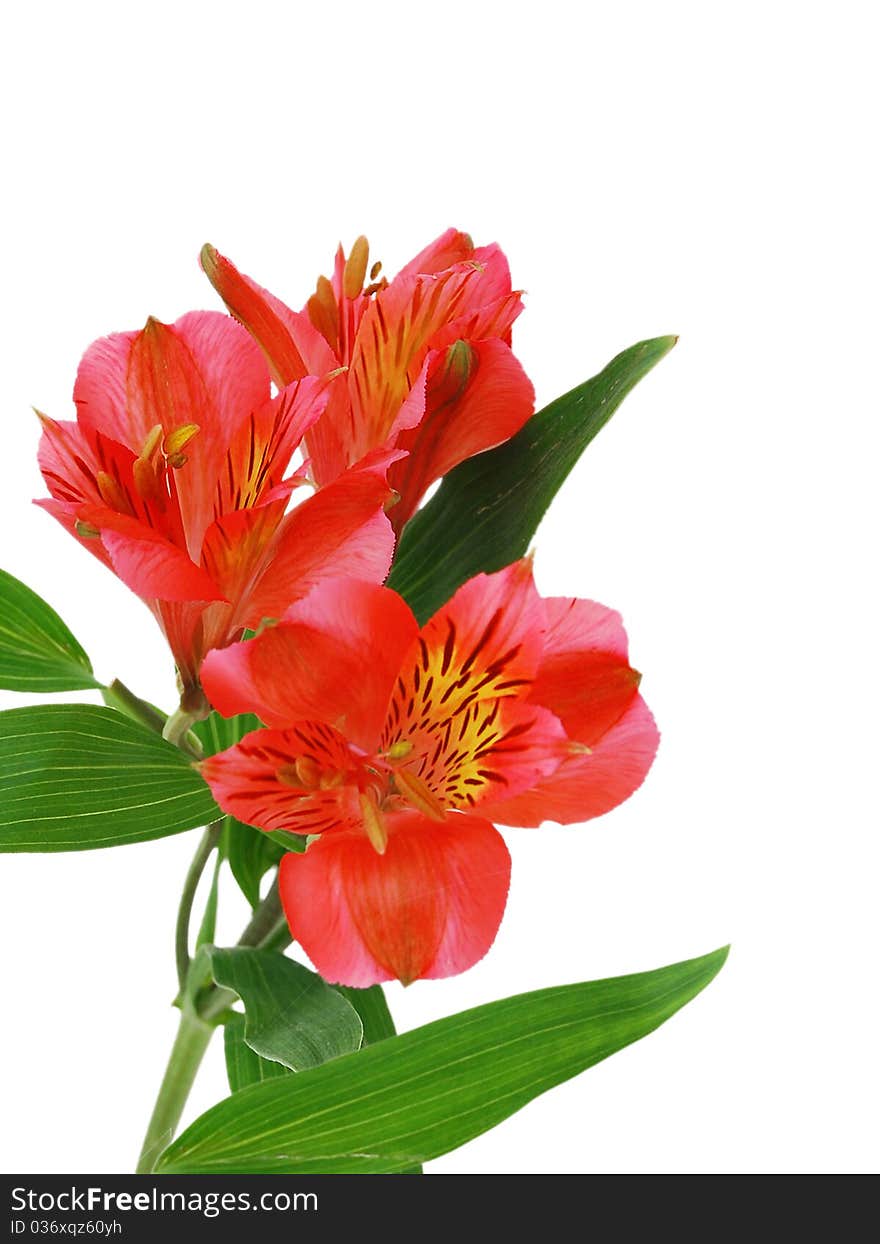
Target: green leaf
[(372, 1007), (485, 512), (251, 852), (293, 1016), (37, 651), (243, 1066), (412, 1097), (78, 776), (216, 733)]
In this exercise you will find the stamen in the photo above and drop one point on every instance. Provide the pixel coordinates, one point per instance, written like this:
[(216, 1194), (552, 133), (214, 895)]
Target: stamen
[(85, 530), (374, 825), (308, 771), (177, 440), (376, 269), (146, 481), (177, 461), (151, 444), (398, 750), (112, 494), (416, 792), (356, 268), (323, 312)]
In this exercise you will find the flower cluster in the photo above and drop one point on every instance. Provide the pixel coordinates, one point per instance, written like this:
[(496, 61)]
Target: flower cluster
[(394, 749)]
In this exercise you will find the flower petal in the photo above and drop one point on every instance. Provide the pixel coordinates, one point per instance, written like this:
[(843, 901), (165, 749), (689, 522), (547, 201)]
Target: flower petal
[(477, 396), (303, 780), (584, 676), (333, 658), (430, 906), (146, 562), (394, 337), (339, 531), (450, 248), (588, 785), (293, 347), (484, 643)]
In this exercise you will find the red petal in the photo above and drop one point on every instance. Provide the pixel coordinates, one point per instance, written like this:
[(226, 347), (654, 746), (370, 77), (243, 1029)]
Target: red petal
[(584, 676), (488, 750), (257, 780), (292, 345), (203, 369), (339, 531), (148, 563), (484, 643), (477, 396), (588, 785), (395, 335), (333, 658), (450, 248), (430, 906)]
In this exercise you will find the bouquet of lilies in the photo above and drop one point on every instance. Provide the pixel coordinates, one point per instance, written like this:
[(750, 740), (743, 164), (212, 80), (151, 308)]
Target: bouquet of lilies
[(369, 684)]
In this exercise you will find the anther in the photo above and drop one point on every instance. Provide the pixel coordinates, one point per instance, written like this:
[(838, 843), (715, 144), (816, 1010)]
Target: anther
[(417, 792), (356, 268), (179, 439), (398, 750), (374, 825), (151, 444), (146, 480), (112, 494), (85, 530)]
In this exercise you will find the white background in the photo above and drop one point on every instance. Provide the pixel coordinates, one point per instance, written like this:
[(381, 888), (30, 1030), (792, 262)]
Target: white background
[(690, 168)]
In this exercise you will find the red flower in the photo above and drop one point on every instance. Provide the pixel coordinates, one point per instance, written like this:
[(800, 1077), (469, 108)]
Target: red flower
[(173, 476), (397, 748), (427, 359)]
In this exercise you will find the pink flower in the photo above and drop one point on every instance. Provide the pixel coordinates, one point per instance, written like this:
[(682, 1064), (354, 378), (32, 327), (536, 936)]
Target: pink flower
[(173, 475), (395, 749), (427, 361)]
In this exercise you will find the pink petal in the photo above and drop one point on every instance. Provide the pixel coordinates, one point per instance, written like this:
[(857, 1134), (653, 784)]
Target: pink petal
[(257, 780), (148, 563), (430, 906), (584, 676), (333, 658), (588, 785), (341, 530), (477, 396), (293, 347)]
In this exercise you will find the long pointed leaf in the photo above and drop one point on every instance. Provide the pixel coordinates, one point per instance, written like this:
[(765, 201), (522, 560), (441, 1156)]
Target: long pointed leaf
[(37, 651), (78, 776), (410, 1098), (486, 511)]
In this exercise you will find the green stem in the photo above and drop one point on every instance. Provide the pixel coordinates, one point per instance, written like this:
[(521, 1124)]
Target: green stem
[(176, 731), (133, 706), (193, 1037), (205, 849), (264, 919), (267, 929)]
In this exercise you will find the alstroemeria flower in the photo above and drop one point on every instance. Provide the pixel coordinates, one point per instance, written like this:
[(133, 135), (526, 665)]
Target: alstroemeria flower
[(173, 475), (398, 747), (427, 359)]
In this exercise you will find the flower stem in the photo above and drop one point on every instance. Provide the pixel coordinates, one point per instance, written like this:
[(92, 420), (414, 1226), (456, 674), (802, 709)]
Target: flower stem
[(193, 1037), (133, 706), (267, 928), (266, 916), (205, 850)]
